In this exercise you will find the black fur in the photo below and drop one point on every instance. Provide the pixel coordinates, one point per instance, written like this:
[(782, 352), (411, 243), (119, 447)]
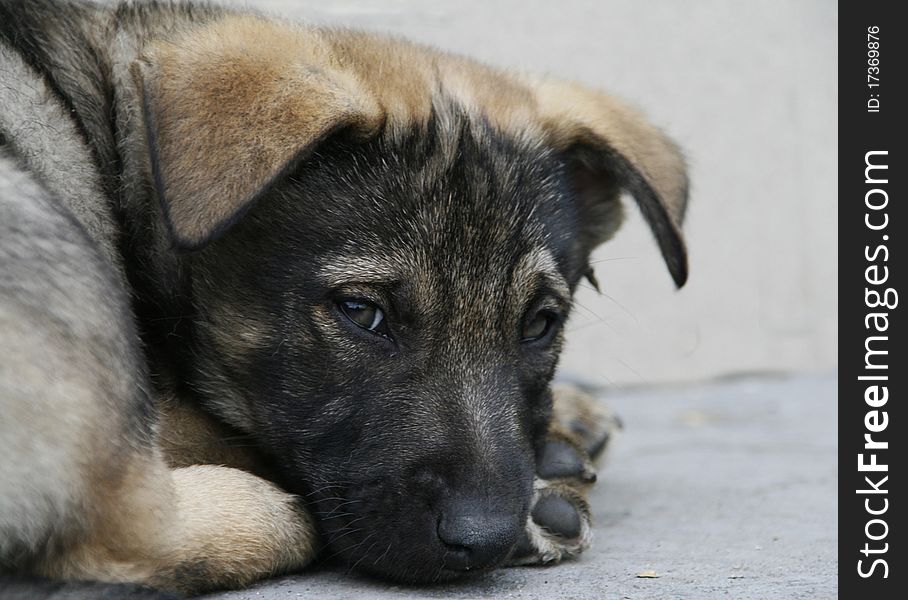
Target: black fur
[(363, 426)]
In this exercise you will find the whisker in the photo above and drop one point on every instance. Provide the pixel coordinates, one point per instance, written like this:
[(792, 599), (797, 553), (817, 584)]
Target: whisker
[(343, 535), (337, 516), (365, 554), (385, 553), (598, 318), (602, 260)]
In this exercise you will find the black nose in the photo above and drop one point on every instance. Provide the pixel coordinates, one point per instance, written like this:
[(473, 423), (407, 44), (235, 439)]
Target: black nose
[(476, 539)]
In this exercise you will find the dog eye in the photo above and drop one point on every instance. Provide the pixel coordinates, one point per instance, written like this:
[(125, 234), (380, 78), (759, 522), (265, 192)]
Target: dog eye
[(366, 315), (538, 326)]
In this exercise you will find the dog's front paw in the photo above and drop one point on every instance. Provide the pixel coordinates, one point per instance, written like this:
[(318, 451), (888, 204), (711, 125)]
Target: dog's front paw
[(560, 523), (586, 421)]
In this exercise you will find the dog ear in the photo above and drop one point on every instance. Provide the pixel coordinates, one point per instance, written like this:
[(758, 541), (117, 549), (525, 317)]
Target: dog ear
[(609, 148), (230, 109)]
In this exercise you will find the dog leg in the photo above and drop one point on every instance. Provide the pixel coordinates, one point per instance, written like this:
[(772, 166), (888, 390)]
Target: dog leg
[(85, 493), (188, 530), (559, 525)]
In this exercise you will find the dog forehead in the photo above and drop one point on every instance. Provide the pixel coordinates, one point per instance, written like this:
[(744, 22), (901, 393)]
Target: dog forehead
[(451, 246), (454, 212), (353, 264), (455, 183)]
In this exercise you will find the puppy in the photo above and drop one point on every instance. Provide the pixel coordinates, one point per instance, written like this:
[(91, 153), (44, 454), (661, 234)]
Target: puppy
[(268, 288)]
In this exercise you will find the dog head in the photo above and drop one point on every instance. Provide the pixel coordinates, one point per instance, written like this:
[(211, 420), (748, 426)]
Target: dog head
[(383, 243)]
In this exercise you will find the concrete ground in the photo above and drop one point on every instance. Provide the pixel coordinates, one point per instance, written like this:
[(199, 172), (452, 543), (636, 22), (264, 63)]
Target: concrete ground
[(720, 490)]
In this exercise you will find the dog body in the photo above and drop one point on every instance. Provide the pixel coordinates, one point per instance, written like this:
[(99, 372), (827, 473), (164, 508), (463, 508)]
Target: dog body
[(263, 284)]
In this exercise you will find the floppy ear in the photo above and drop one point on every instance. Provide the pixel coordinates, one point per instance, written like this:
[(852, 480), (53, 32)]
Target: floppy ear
[(610, 147), (230, 109)]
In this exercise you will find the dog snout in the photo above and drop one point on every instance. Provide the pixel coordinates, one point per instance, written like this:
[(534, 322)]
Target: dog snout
[(475, 538)]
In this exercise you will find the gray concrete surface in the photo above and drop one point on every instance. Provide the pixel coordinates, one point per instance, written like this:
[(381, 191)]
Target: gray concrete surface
[(723, 490), (749, 90)]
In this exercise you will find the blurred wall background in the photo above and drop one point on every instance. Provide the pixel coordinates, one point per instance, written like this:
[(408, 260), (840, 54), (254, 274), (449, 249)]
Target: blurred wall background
[(749, 90)]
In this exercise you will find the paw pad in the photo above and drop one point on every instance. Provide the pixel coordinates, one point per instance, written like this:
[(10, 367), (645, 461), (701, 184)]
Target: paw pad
[(558, 526), (558, 459), (558, 516)]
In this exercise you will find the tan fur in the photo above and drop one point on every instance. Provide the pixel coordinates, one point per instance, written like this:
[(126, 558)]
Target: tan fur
[(233, 528), (572, 114), (188, 529), (188, 436), (231, 105), (128, 523)]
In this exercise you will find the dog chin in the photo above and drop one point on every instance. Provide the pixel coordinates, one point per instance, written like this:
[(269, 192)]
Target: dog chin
[(431, 570)]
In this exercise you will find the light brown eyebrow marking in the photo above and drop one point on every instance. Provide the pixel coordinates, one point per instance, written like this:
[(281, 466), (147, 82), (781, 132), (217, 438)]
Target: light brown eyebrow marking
[(351, 267), (359, 268), (540, 262)]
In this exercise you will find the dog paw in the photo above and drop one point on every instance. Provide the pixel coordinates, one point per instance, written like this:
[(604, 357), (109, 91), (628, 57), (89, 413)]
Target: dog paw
[(578, 415), (560, 524)]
